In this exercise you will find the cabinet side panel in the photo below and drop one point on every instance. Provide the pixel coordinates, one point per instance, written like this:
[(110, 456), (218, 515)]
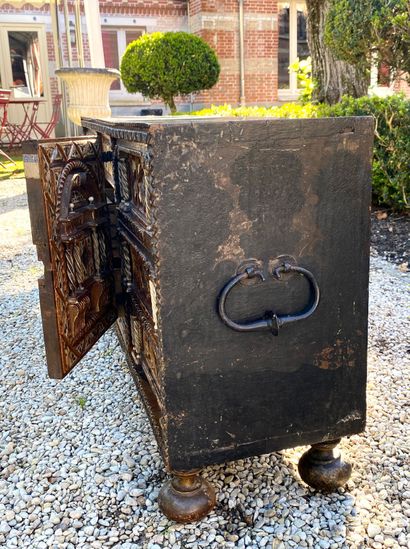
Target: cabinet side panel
[(238, 190)]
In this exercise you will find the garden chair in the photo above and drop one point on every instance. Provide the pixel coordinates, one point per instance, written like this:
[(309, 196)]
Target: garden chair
[(43, 130), (4, 102)]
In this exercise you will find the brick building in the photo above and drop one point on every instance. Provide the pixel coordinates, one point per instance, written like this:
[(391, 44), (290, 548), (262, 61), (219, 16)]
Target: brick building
[(274, 35)]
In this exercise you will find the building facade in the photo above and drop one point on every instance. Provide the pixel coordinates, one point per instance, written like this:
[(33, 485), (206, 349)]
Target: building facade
[(253, 71), (274, 34)]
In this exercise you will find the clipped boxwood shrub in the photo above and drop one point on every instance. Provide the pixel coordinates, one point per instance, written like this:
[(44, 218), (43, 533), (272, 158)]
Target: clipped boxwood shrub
[(164, 65), (391, 153)]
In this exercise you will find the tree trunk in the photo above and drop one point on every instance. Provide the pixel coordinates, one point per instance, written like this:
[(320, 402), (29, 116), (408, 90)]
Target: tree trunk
[(170, 102), (332, 78)]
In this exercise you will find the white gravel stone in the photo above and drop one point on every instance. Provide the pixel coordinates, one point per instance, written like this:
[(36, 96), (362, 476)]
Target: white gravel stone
[(4, 527), (76, 514), (373, 530), (88, 475)]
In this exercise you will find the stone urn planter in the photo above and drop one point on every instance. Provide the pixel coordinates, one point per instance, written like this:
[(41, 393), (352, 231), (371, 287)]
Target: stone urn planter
[(88, 90)]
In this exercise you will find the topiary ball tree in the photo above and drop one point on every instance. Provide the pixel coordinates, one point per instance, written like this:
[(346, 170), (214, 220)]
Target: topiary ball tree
[(164, 65)]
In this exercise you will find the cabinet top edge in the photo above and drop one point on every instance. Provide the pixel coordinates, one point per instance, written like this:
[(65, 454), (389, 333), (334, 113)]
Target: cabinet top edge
[(147, 123)]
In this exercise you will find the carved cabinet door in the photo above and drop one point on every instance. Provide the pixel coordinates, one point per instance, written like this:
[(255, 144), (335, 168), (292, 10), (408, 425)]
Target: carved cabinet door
[(70, 217)]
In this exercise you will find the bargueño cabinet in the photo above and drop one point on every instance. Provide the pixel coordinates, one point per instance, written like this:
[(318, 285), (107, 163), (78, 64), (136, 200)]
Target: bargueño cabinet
[(232, 255)]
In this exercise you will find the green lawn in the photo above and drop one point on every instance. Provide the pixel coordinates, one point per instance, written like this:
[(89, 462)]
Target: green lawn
[(11, 171)]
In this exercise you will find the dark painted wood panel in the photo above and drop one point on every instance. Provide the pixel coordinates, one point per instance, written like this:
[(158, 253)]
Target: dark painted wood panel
[(296, 189)]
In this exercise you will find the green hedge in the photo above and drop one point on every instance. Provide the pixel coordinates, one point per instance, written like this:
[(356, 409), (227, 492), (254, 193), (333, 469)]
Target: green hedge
[(287, 110), (391, 154)]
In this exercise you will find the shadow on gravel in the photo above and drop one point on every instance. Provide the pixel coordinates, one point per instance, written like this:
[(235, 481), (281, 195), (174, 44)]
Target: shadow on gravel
[(18, 201)]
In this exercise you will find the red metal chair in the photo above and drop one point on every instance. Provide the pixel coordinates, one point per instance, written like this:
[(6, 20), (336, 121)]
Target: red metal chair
[(21, 132), (4, 103), (45, 131)]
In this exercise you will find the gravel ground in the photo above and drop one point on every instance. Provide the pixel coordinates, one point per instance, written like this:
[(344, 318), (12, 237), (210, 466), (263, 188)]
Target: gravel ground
[(391, 237), (79, 466)]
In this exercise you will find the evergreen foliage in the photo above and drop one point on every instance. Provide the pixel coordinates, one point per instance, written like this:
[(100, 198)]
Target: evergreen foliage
[(164, 65), (370, 31)]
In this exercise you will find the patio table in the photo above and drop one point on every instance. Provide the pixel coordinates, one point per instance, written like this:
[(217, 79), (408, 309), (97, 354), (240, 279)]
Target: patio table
[(21, 132)]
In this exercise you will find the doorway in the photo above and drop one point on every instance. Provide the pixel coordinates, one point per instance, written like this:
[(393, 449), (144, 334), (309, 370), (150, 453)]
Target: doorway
[(24, 67)]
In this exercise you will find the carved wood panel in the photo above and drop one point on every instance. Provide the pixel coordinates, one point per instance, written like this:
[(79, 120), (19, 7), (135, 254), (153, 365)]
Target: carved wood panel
[(135, 182), (138, 270), (77, 291)]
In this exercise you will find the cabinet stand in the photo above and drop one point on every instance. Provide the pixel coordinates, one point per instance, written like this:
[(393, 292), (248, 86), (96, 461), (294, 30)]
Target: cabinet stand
[(186, 497), (323, 468)]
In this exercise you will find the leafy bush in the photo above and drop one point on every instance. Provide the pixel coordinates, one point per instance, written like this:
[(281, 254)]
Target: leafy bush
[(164, 65), (287, 110), (367, 31), (391, 154), (303, 70), (348, 30)]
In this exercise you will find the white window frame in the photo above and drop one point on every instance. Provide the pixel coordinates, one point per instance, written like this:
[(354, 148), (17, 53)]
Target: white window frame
[(293, 92), (121, 96)]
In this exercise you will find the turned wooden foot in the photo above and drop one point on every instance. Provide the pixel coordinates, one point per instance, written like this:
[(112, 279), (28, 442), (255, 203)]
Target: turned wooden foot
[(323, 468), (187, 497)]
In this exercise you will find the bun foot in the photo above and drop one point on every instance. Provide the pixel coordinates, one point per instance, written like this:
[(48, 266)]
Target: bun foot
[(323, 468), (187, 497)]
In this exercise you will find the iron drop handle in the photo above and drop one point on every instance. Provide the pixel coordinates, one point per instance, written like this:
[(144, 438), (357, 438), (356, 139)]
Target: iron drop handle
[(270, 321)]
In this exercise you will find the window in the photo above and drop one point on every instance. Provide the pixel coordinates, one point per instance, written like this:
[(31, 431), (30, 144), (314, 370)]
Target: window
[(383, 75), (25, 64), (293, 44), (115, 42), (381, 81)]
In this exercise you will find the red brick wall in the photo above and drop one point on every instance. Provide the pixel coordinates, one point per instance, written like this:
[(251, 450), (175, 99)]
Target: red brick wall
[(217, 21), (402, 85), (144, 7), (51, 62), (27, 9), (226, 6), (159, 15)]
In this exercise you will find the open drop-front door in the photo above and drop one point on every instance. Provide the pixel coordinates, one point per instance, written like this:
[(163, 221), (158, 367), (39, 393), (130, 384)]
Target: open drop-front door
[(70, 220)]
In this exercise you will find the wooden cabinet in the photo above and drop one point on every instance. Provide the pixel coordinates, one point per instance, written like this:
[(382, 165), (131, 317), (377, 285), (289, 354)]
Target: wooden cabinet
[(233, 257)]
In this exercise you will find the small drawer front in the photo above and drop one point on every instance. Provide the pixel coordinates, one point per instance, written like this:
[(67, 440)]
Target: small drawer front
[(135, 183), (139, 288), (135, 208), (145, 348), (138, 279)]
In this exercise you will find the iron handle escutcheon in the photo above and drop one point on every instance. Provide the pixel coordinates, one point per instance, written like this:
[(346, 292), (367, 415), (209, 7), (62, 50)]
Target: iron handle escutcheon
[(270, 321)]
